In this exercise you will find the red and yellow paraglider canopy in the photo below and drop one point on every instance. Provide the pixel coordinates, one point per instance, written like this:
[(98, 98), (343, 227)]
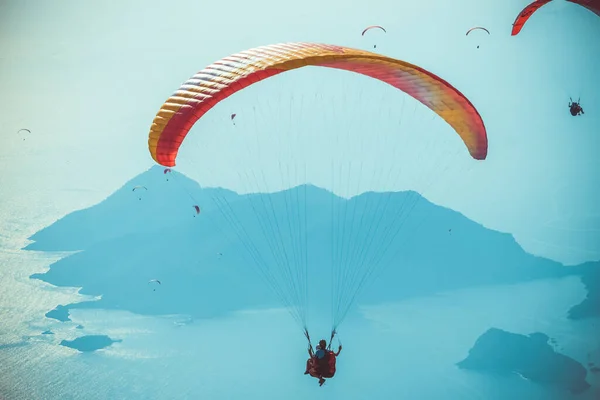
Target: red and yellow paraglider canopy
[(592, 5), (223, 78)]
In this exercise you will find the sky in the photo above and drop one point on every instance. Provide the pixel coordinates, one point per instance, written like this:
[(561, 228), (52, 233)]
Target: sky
[(87, 79)]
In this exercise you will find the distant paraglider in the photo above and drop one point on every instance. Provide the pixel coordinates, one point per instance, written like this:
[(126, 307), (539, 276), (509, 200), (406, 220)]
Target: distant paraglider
[(368, 28), (477, 28), (23, 130), (154, 281), (233, 118), (575, 107), (197, 208), (167, 171), (138, 188)]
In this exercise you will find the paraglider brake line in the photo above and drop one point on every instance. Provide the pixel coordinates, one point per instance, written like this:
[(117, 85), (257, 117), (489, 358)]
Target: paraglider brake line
[(307, 336), (333, 332)]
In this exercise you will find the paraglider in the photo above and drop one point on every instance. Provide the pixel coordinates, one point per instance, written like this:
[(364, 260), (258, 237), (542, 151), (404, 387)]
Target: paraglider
[(232, 118), (197, 208), (477, 28), (592, 5), (575, 107), (138, 188), (218, 81), (154, 281), (23, 130), (368, 28), (321, 364), (167, 171)]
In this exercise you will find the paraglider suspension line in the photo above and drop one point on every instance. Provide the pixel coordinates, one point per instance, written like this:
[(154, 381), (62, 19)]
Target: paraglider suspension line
[(307, 337), (333, 332)]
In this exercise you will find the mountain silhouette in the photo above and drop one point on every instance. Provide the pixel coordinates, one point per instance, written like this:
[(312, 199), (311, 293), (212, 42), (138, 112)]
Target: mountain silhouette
[(209, 264), (128, 211), (530, 356)]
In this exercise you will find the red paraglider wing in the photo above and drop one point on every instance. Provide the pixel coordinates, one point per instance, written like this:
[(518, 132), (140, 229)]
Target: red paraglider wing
[(592, 5), (525, 14), (225, 77)]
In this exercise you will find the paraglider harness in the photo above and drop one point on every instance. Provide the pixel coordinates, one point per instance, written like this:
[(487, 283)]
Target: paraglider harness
[(325, 368)]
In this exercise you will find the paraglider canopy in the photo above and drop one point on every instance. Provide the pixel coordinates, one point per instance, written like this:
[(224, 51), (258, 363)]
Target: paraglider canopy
[(592, 5), (368, 28), (527, 12), (154, 281), (199, 94), (477, 27), (23, 130)]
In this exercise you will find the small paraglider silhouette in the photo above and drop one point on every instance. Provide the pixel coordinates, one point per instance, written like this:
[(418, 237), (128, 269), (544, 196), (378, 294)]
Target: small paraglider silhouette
[(23, 130), (156, 281), (167, 170), (477, 28), (197, 208), (232, 118), (139, 187), (575, 107), (368, 28)]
